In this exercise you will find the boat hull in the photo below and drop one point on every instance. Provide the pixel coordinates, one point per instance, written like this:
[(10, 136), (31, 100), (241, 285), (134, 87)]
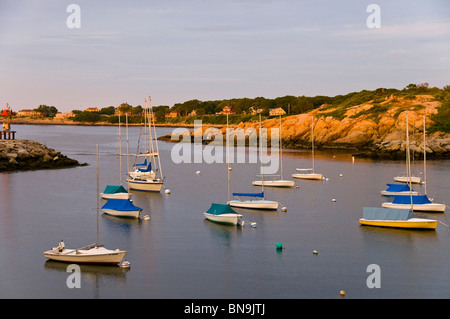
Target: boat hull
[(277, 183), (405, 179), (433, 207), (232, 219), (386, 193), (412, 223), (312, 176), (255, 204), (120, 213), (145, 185), (98, 255), (116, 195)]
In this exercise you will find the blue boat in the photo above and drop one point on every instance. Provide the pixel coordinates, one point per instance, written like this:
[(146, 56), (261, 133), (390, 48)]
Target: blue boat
[(121, 208)]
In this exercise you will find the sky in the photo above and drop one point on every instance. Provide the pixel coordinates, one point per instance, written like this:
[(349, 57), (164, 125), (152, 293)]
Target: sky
[(179, 50)]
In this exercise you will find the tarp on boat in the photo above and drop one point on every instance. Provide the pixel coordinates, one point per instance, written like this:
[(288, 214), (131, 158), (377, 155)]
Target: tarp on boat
[(145, 169), (120, 205), (406, 199), (219, 209), (397, 188), (381, 213), (114, 189), (249, 194)]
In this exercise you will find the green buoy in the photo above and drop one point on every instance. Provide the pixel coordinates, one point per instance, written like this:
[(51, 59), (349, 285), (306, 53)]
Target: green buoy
[(279, 246)]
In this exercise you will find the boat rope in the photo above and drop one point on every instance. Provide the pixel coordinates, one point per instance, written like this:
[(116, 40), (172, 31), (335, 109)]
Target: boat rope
[(443, 224)]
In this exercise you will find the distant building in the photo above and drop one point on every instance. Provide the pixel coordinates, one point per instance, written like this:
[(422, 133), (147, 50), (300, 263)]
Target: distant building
[(63, 116), (92, 109), (277, 111), (29, 113), (193, 113), (226, 110), (252, 110), (171, 114)]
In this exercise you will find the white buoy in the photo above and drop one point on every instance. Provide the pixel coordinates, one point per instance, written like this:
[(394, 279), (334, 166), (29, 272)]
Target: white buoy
[(327, 179), (340, 175), (146, 217), (315, 252), (283, 209), (167, 191), (296, 186), (333, 200), (197, 172), (125, 264), (253, 224)]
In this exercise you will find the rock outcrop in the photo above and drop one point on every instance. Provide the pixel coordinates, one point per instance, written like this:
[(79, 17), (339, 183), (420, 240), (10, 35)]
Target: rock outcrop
[(18, 155)]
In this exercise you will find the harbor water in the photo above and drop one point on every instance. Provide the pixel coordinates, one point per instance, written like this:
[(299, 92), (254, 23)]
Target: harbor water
[(177, 254)]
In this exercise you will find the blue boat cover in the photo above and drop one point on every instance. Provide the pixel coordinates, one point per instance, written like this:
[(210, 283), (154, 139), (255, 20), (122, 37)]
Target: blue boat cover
[(219, 209), (381, 213), (397, 188), (406, 199), (113, 189), (249, 194), (144, 169), (120, 204), (142, 164)]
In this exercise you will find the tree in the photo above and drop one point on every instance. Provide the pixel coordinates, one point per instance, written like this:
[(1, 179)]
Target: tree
[(47, 111), (110, 110)]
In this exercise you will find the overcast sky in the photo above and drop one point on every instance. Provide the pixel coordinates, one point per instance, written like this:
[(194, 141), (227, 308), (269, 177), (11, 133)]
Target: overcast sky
[(178, 50)]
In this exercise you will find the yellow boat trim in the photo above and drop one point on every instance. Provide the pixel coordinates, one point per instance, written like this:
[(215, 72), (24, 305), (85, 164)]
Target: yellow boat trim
[(414, 223)]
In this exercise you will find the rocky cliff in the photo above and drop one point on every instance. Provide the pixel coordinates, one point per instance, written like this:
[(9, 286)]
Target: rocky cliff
[(376, 130), (29, 155)]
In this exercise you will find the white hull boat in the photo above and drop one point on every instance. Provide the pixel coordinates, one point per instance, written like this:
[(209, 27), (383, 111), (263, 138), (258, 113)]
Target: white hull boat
[(145, 185), (431, 207), (312, 176), (116, 196), (223, 214), (254, 204), (121, 208), (274, 183), (95, 255), (405, 179), (398, 189)]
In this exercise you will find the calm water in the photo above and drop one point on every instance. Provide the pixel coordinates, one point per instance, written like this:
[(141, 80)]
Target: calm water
[(178, 254)]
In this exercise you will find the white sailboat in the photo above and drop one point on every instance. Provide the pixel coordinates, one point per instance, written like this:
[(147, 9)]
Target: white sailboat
[(143, 177), (417, 202), (276, 182), (117, 191), (259, 201), (223, 214), (90, 254), (309, 173)]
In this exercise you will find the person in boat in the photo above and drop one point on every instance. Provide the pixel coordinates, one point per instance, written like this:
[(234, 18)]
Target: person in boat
[(61, 246)]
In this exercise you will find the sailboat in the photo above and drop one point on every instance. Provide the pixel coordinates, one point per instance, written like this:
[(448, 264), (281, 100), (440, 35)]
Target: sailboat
[(398, 189), (259, 201), (143, 178), (121, 208), (117, 191), (418, 202), (90, 254), (309, 173), (406, 179), (276, 182), (221, 213), (397, 217)]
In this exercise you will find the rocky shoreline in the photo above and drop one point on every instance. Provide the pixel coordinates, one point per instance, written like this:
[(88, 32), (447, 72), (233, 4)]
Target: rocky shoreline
[(23, 155)]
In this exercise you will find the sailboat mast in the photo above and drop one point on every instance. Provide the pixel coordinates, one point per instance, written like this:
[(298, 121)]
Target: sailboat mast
[(281, 154), (312, 141), (120, 153), (260, 156), (97, 196), (424, 157), (152, 119), (408, 161), (228, 160)]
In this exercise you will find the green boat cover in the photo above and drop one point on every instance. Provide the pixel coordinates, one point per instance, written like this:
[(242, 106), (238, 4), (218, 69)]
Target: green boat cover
[(219, 209), (113, 189), (381, 213)]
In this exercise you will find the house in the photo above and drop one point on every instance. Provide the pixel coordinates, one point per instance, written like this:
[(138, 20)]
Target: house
[(92, 109), (193, 113), (276, 111), (29, 113), (252, 110), (171, 114), (63, 116), (226, 110)]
